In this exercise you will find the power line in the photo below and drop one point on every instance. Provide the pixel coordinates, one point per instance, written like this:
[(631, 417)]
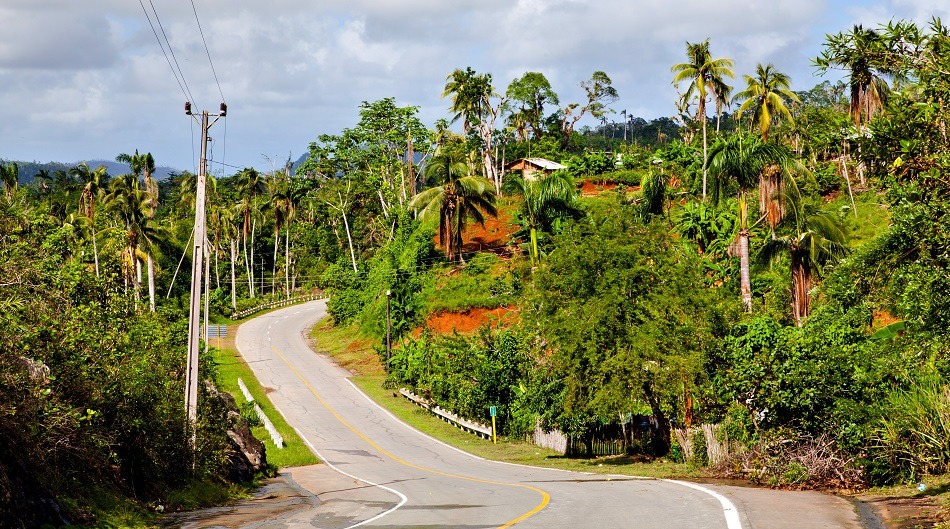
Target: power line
[(181, 81), (172, 51), (214, 72), (207, 51)]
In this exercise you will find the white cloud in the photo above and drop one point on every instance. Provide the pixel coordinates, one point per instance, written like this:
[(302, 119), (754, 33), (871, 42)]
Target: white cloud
[(84, 82)]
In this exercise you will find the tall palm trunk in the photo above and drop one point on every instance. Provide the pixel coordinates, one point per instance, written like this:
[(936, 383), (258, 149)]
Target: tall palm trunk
[(273, 273), (287, 261), (745, 283), (534, 247), (151, 282), (801, 285), (702, 116), (233, 275), (251, 263), (247, 267)]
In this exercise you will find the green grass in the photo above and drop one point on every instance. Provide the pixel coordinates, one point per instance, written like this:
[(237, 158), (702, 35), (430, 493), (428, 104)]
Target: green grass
[(110, 509), (509, 450), (873, 216), (349, 346), (232, 366)]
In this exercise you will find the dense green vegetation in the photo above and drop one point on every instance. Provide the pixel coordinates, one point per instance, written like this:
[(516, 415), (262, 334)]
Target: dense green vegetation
[(780, 268)]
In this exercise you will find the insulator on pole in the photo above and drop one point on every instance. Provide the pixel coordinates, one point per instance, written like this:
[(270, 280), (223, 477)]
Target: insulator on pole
[(188, 108)]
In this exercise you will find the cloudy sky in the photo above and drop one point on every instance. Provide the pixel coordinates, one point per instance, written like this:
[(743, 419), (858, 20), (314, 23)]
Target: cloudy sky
[(88, 80)]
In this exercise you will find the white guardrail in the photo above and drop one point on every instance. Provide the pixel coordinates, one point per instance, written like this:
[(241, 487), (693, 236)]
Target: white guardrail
[(478, 429), (240, 315), (269, 426)]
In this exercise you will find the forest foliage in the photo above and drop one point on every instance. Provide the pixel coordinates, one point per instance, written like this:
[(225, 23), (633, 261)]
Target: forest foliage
[(779, 265)]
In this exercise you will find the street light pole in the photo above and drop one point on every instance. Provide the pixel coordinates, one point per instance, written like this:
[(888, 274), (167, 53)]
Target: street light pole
[(197, 269)]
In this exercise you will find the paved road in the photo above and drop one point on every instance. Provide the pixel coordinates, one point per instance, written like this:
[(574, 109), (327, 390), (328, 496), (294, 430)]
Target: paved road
[(389, 475)]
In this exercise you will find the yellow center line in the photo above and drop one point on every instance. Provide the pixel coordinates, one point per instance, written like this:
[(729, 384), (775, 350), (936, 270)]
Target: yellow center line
[(545, 497)]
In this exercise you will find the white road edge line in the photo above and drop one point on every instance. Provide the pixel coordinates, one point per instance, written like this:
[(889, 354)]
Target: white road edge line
[(403, 498), (728, 508)]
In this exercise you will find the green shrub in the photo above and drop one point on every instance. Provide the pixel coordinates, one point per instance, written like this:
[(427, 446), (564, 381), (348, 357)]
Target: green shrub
[(913, 436), (700, 455)]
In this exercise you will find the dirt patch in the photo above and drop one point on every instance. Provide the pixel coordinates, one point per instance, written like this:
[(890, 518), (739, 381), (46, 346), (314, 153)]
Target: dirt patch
[(883, 318), (494, 236), (590, 188), (907, 513), (470, 320)]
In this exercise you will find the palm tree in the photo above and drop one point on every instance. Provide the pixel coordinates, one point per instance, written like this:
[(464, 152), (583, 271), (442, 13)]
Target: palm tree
[(143, 165), (765, 95), (92, 182), (250, 185), (282, 206), (229, 231), (546, 202), (133, 207), (10, 176), (722, 95), (704, 74), (471, 95), (859, 52), (460, 197), (814, 239), (742, 161)]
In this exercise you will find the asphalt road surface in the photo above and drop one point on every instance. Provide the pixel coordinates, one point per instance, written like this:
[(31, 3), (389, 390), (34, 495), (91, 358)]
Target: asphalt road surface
[(380, 472)]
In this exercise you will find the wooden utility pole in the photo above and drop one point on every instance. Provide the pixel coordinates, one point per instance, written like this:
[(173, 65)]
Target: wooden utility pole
[(197, 269)]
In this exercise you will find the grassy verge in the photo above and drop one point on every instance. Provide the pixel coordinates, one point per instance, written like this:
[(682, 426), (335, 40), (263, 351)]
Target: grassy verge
[(232, 366), (510, 450), (354, 351)]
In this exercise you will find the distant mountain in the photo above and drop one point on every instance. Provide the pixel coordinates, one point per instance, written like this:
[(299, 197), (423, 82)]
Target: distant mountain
[(28, 170)]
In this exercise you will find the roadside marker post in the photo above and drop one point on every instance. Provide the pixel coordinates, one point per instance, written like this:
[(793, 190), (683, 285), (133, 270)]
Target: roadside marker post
[(494, 412)]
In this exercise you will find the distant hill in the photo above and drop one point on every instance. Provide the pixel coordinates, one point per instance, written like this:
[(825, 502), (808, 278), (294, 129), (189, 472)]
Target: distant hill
[(28, 170)]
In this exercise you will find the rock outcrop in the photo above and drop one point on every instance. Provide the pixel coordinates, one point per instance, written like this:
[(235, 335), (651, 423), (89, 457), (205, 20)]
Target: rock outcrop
[(247, 455)]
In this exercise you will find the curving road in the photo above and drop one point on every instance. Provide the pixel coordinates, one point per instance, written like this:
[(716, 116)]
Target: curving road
[(386, 474)]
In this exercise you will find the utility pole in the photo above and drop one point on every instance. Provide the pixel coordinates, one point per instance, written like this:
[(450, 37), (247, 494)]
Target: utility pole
[(389, 325), (197, 269)]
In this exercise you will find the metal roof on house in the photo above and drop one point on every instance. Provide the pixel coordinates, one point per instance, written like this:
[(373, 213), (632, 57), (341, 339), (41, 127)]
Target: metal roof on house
[(543, 163)]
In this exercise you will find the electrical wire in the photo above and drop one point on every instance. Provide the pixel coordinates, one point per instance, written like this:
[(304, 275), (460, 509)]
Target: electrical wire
[(205, 42), (180, 80), (172, 51), (214, 72)]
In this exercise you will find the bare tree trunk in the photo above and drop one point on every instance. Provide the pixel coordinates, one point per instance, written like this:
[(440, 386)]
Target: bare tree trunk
[(349, 239), (95, 248), (847, 178)]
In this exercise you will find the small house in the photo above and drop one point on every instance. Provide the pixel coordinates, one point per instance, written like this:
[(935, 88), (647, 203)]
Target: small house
[(531, 168)]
